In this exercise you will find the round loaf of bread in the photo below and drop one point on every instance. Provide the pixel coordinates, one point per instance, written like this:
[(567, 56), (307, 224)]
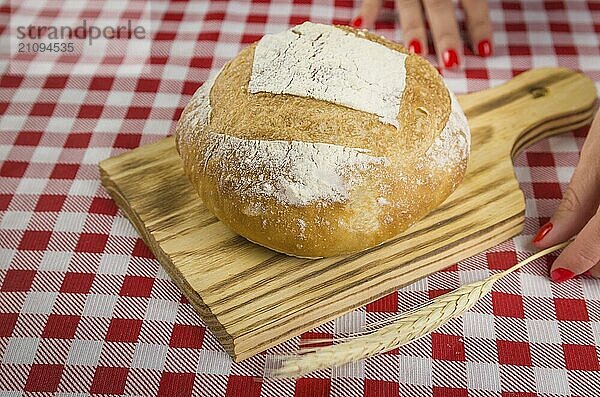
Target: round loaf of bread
[(323, 140)]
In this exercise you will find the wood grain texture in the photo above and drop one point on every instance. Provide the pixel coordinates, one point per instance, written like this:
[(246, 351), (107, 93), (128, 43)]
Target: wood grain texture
[(253, 298)]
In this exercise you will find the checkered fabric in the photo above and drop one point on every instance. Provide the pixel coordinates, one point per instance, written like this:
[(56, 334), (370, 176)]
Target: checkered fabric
[(86, 309)]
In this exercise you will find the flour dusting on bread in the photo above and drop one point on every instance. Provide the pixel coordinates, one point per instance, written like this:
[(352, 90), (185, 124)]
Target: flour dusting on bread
[(196, 114), (327, 63), (454, 142), (293, 172)]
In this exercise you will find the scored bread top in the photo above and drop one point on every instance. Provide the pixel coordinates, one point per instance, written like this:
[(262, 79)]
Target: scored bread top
[(325, 63), (303, 150), (424, 109)]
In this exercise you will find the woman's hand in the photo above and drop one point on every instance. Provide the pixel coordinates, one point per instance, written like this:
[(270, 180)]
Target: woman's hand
[(578, 214), (444, 28)]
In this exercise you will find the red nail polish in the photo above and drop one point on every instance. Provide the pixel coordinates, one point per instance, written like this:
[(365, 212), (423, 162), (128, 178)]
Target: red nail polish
[(560, 274), (450, 58), (542, 232), (357, 22), (415, 46), (484, 48)]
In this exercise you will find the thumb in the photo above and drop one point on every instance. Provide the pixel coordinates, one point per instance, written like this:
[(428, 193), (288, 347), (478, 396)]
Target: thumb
[(581, 255), (581, 199), (578, 206)]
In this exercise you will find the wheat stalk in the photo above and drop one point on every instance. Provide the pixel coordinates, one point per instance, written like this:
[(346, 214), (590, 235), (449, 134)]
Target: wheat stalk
[(403, 329)]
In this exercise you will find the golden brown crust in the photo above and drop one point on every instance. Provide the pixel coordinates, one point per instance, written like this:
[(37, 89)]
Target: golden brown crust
[(425, 103), (390, 197)]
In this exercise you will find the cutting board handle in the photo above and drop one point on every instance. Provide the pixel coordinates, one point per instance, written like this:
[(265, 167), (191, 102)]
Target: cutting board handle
[(533, 105)]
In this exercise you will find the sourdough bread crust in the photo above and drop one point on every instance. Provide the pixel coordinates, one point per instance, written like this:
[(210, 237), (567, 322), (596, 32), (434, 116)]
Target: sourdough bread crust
[(312, 178)]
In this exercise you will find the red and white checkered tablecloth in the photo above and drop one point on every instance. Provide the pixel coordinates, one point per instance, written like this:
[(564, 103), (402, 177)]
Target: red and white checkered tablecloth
[(86, 309)]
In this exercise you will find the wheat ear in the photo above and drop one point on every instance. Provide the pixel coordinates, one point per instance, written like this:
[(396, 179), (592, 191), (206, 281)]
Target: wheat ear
[(405, 329)]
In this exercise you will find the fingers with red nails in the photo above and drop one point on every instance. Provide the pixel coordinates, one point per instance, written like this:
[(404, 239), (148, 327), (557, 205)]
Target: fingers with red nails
[(477, 16), (578, 214), (413, 25), (444, 28), (367, 14), (445, 33)]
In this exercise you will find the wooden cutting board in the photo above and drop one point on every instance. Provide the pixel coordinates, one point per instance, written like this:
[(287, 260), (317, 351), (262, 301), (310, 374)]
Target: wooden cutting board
[(253, 298)]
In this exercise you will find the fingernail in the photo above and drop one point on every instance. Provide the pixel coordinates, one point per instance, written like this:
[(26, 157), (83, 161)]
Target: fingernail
[(560, 274), (357, 22), (542, 232), (484, 48), (450, 58), (415, 46)]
